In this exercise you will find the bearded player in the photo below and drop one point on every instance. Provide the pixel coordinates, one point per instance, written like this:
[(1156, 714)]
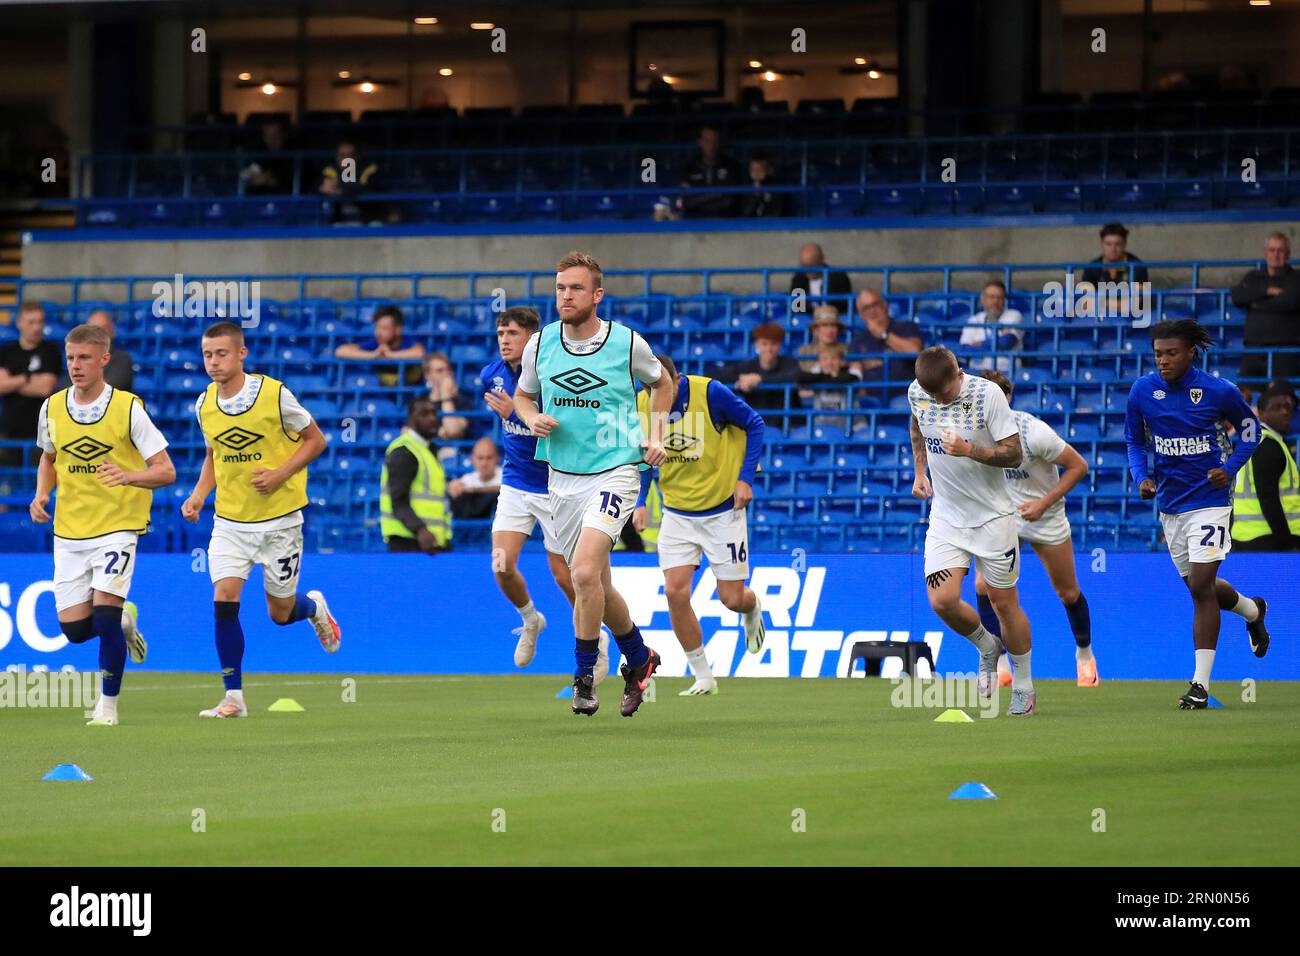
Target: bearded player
[(577, 394)]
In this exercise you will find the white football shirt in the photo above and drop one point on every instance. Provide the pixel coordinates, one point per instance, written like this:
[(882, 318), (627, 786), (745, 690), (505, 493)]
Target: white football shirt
[(967, 493), (1037, 474)]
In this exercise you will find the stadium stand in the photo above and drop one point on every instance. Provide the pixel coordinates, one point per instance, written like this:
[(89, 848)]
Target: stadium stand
[(836, 482)]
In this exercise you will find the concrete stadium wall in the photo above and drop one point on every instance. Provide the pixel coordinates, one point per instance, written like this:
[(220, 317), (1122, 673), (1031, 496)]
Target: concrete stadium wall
[(676, 249)]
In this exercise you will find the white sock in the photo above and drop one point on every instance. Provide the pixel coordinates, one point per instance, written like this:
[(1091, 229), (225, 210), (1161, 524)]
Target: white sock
[(1246, 608), (1204, 664), (982, 639), (1004, 663), (700, 663), (527, 611), (1083, 654), (108, 702), (237, 696), (1021, 679)]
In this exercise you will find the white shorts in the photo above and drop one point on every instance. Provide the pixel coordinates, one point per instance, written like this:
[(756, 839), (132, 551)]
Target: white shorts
[(994, 545), (724, 539), (1049, 529), (106, 563), (1198, 537), (521, 511), (233, 553), (604, 502)]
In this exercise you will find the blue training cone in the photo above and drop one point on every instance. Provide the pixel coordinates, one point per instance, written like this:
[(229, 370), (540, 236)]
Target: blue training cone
[(1214, 702), (565, 693), (68, 771), (972, 791)]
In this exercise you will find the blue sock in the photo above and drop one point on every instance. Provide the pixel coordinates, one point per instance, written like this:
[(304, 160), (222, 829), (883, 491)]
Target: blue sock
[(633, 647), (230, 644), (988, 617), (112, 647), (78, 632), (303, 608), (1080, 621), (585, 654)]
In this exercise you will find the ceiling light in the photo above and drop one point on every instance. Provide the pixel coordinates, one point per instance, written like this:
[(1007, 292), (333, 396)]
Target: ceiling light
[(860, 60), (481, 26), (769, 76), (268, 88), (755, 64), (366, 87), (245, 76), (446, 71), (344, 74), (874, 74), (426, 21)]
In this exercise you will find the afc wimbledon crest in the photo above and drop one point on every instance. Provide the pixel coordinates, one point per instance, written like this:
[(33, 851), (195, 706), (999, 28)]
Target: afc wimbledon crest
[(1195, 394)]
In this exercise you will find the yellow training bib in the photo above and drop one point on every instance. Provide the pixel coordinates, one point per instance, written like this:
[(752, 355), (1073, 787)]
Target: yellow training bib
[(703, 463), (85, 508), (249, 441)]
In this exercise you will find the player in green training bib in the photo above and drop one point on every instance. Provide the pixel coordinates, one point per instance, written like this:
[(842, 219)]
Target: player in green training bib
[(577, 394)]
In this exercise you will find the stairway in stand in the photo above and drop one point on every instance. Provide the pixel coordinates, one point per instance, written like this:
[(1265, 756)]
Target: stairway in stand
[(15, 219)]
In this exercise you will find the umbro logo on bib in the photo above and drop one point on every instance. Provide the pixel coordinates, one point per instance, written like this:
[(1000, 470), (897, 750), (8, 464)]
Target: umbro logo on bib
[(238, 438), (577, 381), (678, 443), (86, 448)]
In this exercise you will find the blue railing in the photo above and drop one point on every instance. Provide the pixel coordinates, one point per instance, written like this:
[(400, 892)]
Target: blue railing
[(901, 176)]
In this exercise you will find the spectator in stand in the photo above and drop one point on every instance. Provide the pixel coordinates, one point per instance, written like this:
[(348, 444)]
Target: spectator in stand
[(446, 396), (1266, 498), (826, 328), (885, 336), (1271, 298), (389, 341), (474, 495), (345, 180), (770, 367), (1114, 256), (270, 173), (712, 167), (29, 372), (120, 371), (831, 370), (761, 203), (833, 287), (976, 334)]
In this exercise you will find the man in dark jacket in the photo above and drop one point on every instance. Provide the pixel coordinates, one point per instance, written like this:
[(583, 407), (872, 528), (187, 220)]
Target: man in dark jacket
[(712, 167), (1271, 298), (1114, 258), (833, 287)]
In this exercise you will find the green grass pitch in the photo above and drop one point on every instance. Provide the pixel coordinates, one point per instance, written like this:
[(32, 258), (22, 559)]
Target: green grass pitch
[(415, 770)]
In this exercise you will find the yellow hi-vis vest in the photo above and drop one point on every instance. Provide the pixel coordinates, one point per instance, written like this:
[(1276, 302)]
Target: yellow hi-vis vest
[(249, 441), (428, 493), (84, 507), (703, 462), (1248, 521)]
